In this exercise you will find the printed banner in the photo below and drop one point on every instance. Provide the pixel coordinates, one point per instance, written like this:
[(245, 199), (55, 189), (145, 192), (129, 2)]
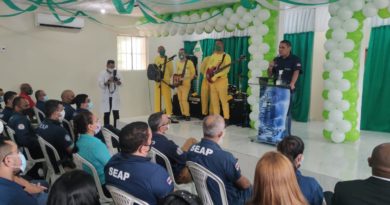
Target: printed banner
[(273, 105)]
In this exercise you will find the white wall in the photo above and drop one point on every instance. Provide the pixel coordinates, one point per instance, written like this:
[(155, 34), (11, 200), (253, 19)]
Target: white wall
[(54, 59)]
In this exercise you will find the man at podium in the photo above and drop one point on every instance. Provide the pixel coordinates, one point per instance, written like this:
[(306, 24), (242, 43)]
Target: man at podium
[(285, 69)]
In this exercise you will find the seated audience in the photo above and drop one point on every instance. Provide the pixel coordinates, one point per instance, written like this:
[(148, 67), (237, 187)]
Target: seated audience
[(51, 130), (159, 124), (1, 98), (74, 188), (88, 146), (373, 190), (83, 103), (275, 182), (292, 147), (41, 98), (209, 154), (11, 192), (67, 97), (25, 92), (131, 171), (8, 110)]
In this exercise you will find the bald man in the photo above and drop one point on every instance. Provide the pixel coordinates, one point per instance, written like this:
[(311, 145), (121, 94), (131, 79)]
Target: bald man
[(375, 189), (67, 97)]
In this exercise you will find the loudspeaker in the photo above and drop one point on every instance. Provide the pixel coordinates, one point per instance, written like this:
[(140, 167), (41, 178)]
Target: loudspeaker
[(239, 110), (195, 106), (176, 105)]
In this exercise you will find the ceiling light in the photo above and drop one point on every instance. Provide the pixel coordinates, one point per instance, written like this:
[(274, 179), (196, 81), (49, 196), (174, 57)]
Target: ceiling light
[(102, 11)]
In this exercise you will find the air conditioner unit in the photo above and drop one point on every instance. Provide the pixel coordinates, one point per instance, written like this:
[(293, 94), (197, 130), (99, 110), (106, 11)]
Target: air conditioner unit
[(49, 20)]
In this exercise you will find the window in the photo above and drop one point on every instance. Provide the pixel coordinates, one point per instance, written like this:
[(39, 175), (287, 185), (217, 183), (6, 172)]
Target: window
[(131, 53)]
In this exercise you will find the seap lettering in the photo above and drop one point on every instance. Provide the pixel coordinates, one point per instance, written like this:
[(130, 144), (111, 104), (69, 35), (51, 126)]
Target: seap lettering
[(202, 150), (118, 174)]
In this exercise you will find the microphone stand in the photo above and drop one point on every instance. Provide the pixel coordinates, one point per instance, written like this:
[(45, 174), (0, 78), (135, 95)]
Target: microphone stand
[(163, 81)]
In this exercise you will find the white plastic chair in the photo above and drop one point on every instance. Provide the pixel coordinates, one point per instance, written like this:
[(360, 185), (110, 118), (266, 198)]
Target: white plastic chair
[(51, 175), (108, 135), (30, 160), (38, 114), (200, 175), (70, 128), (5, 131), (121, 197), (80, 161)]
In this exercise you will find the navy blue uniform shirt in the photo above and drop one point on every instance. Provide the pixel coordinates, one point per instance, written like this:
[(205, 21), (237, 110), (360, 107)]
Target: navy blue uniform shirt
[(56, 135), (69, 111), (310, 189), (24, 133), (210, 155), (6, 114), (139, 177), (13, 194), (288, 65), (176, 156), (40, 105)]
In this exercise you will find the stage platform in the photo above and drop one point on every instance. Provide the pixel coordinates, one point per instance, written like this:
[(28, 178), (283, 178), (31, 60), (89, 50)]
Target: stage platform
[(324, 160)]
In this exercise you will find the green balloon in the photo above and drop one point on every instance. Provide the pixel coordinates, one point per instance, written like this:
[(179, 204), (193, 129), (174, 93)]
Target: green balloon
[(351, 115), (329, 34), (273, 13), (356, 36), (352, 135), (384, 13), (327, 134), (359, 16), (354, 55), (325, 114), (353, 123), (249, 91), (325, 94), (351, 75), (269, 56), (269, 39), (252, 124), (325, 75), (228, 30), (351, 95), (327, 55), (250, 41)]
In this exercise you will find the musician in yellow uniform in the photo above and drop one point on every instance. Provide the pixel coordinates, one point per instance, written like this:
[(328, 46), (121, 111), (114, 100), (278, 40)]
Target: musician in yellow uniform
[(205, 89), (219, 87), (186, 69), (165, 89)]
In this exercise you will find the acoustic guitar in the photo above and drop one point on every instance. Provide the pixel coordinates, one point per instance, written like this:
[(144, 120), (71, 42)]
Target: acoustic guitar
[(177, 79), (214, 70)]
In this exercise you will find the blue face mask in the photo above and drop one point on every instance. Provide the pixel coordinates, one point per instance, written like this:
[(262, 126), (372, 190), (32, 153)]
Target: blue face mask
[(46, 98), (24, 162), (1, 99), (90, 105)]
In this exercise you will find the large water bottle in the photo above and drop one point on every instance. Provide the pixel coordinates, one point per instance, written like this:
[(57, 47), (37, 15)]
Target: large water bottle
[(279, 81)]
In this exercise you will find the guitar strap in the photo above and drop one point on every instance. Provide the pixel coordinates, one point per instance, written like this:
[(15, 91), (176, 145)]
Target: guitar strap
[(163, 71), (223, 58), (184, 69)]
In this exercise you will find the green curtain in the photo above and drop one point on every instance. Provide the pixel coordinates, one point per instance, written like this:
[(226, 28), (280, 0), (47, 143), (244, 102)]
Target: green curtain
[(302, 46), (376, 82), (189, 47)]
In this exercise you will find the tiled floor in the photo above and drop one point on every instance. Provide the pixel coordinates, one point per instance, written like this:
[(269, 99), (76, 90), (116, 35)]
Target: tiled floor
[(324, 160)]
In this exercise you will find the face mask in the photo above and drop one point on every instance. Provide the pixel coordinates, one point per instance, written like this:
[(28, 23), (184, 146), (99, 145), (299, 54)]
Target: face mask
[(162, 53), (167, 127), (45, 98), (1, 127), (98, 127), (110, 70), (62, 115), (23, 164), (1, 99), (90, 105), (29, 92), (181, 56), (218, 48)]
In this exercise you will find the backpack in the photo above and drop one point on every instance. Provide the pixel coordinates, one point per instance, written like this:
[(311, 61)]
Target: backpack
[(181, 197)]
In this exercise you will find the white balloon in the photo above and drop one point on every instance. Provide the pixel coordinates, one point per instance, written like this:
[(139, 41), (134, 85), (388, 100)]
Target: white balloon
[(350, 25), (329, 126), (222, 21), (205, 15), (240, 11), (344, 85), (257, 124), (263, 15), (208, 28), (247, 18), (251, 99), (251, 65), (212, 22), (369, 10), (344, 105), (264, 48), (174, 30), (252, 49), (252, 31), (344, 13), (183, 30), (380, 4), (330, 45), (257, 21), (335, 115), (343, 126), (356, 5), (228, 12), (337, 137), (329, 65), (336, 55), (346, 45), (263, 29), (199, 29), (336, 75), (234, 19), (195, 17), (345, 64), (335, 22), (335, 95), (190, 29), (230, 26), (184, 19), (263, 64), (176, 18), (243, 24), (339, 34), (328, 105), (255, 11), (256, 40), (219, 28), (256, 72), (333, 8), (329, 84)]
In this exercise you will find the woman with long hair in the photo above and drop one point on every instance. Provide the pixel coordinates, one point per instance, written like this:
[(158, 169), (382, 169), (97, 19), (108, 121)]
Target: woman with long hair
[(275, 182)]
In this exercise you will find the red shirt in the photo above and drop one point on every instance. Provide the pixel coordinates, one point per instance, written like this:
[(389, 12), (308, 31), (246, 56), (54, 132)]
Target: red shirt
[(28, 98)]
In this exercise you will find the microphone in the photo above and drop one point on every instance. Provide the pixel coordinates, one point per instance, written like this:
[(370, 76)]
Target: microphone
[(172, 57)]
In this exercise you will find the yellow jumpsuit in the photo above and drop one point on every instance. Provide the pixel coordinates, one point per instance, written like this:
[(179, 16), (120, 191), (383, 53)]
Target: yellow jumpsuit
[(165, 89), (219, 88), (205, 89), (184, 89)]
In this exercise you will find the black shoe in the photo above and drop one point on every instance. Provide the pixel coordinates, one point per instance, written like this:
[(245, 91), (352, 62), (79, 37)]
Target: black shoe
[(174, 121), (181, 117), (227, 122), (187, 118), (202, 117)]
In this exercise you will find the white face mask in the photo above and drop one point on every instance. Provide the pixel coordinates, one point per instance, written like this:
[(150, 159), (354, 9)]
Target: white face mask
[(110, 70), (62, 115), (1, 127), (98, 128), (23, 164)]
